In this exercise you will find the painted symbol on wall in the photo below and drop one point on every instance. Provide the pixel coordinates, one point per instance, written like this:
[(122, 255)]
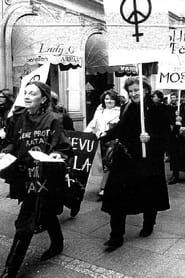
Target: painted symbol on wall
[(136, 16)]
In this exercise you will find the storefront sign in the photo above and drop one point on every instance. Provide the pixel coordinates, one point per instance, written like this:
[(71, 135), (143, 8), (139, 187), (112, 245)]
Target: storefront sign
[(55, 54), (39, 43)]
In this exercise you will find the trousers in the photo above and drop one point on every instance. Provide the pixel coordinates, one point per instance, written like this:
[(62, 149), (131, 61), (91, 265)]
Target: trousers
[(25, 225), (118, 221)]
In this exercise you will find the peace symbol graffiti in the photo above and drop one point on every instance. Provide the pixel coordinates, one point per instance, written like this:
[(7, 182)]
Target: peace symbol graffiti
[(136, 17)]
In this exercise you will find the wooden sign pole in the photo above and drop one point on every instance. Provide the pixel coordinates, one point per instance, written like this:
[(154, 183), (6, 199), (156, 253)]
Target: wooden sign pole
[(142, 108), (179, 102)]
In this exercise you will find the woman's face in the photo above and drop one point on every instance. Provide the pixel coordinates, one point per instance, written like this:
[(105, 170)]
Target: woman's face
[(156, 99), (134, 92), (2, 99), (33, 98), (109, 102)]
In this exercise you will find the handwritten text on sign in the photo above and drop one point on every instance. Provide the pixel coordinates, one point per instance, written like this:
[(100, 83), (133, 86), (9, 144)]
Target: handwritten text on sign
[(84, 147), (171, 80)]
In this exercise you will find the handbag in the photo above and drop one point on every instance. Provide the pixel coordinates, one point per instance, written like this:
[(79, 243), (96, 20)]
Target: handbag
[(115, 148), (73, 191)]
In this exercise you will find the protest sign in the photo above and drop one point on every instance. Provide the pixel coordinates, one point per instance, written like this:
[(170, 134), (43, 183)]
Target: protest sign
[(131, 29), (40, 74), (84, 147), (171, 77), (171, 69), (133, 42)]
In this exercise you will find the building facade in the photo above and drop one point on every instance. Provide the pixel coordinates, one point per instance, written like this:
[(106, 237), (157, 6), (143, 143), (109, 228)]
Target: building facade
[(33, 30)]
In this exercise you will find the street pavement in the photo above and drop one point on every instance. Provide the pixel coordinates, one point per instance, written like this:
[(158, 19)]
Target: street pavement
[(162, 255)]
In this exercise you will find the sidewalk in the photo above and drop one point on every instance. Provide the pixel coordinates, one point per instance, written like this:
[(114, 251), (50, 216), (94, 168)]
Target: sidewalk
[(162, 255)]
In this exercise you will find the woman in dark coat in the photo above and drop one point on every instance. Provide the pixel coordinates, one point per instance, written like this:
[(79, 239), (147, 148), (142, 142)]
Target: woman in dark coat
[(136, 184), (39, 187), (6, 102)]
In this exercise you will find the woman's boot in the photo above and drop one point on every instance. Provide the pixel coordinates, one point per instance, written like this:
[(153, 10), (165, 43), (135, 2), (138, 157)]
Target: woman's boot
[(15, 257), (56, 238)]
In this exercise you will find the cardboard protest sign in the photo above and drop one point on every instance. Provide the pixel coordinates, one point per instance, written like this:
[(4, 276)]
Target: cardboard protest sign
[(171, 76), (171, 69), (96, 175), (133, 42), (131, 29), (40, 74), (84, 147)]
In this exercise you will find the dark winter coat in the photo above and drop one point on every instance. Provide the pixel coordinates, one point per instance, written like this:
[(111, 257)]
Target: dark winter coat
[(138, 184), (177, 144), (41, 132)]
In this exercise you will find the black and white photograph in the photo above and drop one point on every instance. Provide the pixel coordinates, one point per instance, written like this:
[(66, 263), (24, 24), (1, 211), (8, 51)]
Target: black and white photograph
[(92, 139)]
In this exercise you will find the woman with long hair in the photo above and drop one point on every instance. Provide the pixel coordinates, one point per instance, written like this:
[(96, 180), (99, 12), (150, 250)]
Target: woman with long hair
[(37, 186)]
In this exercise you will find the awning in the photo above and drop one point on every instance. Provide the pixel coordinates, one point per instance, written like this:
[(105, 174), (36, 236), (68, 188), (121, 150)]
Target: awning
[(35, 42), (96, 54), (96, 58)]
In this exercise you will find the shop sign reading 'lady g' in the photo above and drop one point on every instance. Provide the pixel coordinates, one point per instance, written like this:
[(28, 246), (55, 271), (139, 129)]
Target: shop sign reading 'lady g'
[(55, 53), (48, 45)]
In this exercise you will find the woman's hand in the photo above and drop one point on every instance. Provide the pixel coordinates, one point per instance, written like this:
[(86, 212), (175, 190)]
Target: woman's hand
[(144, 137), (101, 134), (178, 120), (182, 131), (55, 155), (2, 133), (2, 155)]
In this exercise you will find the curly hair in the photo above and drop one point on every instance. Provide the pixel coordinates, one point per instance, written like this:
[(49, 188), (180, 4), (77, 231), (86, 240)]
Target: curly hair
[(113, 95), (135, 80)]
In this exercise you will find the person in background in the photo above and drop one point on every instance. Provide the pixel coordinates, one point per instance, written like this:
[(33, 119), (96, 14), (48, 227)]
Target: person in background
[(6, 102), (177, 156), (173, 101), (105, 117), (158, 97), (61, 110), (37, 186), (136, 184)]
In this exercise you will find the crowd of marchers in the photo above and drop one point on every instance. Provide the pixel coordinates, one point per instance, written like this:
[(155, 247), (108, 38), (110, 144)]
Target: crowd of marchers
[(133, 182)]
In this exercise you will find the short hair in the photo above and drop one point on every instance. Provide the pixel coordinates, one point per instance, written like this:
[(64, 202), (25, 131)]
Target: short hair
[(135, 80), (159, 94), (113, 95)]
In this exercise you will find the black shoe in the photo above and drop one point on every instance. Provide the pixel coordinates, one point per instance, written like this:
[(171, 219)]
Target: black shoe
[(75, 210), (113, 243), (146, 231), (51, 252), (7, 274), (173, 180)]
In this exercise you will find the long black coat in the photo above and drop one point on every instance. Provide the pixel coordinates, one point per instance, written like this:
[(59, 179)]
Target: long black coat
[(177, 144), (138, 184)]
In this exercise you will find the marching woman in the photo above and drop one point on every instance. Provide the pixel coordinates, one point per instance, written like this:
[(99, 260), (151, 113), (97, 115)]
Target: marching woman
[(37, 186), (136, 184)]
